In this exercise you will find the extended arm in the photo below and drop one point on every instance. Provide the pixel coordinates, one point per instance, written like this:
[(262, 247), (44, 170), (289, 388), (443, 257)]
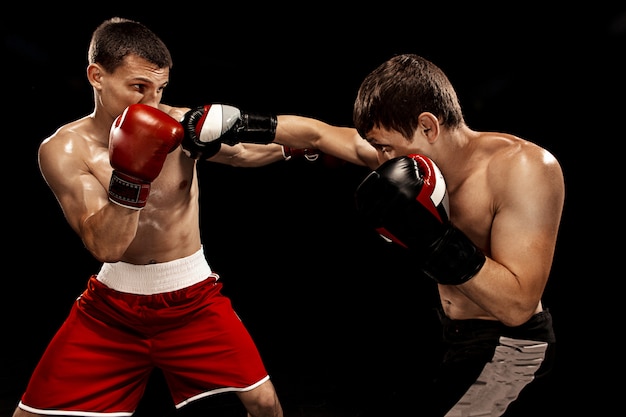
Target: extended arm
[(210, 127), (255, 155), (248, 154), (338, 141)]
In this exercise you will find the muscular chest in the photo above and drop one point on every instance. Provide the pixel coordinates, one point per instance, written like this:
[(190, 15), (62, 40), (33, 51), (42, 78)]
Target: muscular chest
[(472, 210), (173, 186)]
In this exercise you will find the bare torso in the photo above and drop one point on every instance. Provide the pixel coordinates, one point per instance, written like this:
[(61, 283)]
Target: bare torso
[(506, 194), (77, 157), (476, 200)]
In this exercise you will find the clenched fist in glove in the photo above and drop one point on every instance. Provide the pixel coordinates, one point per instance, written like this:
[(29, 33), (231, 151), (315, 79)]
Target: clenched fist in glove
[(406, 201), (140, 139), (207, 127)]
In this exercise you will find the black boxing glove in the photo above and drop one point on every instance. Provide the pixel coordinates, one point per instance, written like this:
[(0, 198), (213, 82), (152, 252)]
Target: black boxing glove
[(405, 200), (207, 127)]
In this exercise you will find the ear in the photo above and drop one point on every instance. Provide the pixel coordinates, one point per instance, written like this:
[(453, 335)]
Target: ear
[(428, 125), (94, 75)]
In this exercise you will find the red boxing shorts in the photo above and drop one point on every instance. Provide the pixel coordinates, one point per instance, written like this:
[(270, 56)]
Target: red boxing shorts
[(100, 360)]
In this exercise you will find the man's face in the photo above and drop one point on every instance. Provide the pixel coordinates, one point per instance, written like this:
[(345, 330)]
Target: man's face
[(136, 81), (390, 143)]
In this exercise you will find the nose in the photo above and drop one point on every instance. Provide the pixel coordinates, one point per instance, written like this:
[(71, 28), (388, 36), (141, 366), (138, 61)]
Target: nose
[(385, 156), (152, 97), (152, 101)]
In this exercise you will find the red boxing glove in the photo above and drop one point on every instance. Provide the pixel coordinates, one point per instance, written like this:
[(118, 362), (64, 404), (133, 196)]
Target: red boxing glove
[(140, 139), (312, 155)]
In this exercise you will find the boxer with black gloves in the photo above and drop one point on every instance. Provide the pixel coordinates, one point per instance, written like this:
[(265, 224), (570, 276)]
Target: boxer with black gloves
[(490, 255), (406, 201)]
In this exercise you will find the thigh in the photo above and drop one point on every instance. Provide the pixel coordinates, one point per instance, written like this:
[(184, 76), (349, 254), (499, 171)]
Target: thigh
[(89, 366), (211, 353)]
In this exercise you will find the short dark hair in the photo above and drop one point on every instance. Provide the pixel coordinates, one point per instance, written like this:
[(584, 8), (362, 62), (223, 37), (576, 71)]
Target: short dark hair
[(399, 90), (118, 37)]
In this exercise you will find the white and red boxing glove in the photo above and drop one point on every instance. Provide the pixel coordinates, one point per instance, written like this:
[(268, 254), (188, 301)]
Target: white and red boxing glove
[(140, 140), (208, 126), (405, 200)]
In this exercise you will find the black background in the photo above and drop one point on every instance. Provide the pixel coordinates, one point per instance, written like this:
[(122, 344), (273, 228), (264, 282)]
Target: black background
[(341, 321)]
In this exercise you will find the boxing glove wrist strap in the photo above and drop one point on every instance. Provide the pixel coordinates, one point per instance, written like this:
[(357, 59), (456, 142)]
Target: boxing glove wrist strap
[(308, 154), (286, 152), (128, 191), (453, 258), (254, 128)]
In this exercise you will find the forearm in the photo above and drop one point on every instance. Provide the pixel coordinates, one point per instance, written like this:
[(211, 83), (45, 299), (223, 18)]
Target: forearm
[(502, 294), (301, 132), (108, 232), (248, 154)]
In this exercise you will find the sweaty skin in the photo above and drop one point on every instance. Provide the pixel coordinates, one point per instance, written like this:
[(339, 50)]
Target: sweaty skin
[(74, 162), (505, 193)]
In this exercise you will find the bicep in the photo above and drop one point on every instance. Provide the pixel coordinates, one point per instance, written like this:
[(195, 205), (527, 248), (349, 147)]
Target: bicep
[(525, 227), (78, 191), (338, 141)]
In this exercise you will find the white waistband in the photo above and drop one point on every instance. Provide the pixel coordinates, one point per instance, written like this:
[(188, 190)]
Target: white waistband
[(155, 278)]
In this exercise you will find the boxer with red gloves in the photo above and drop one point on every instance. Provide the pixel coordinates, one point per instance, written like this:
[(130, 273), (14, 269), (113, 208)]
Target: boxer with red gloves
[(131, 195), (140, 140)]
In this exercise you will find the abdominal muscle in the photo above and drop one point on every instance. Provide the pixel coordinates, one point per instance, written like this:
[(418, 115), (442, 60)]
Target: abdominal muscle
[(169, 225), (457, 306), (164, 240)]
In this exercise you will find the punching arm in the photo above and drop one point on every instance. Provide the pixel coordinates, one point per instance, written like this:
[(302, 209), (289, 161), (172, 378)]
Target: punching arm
[(208, 126)]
